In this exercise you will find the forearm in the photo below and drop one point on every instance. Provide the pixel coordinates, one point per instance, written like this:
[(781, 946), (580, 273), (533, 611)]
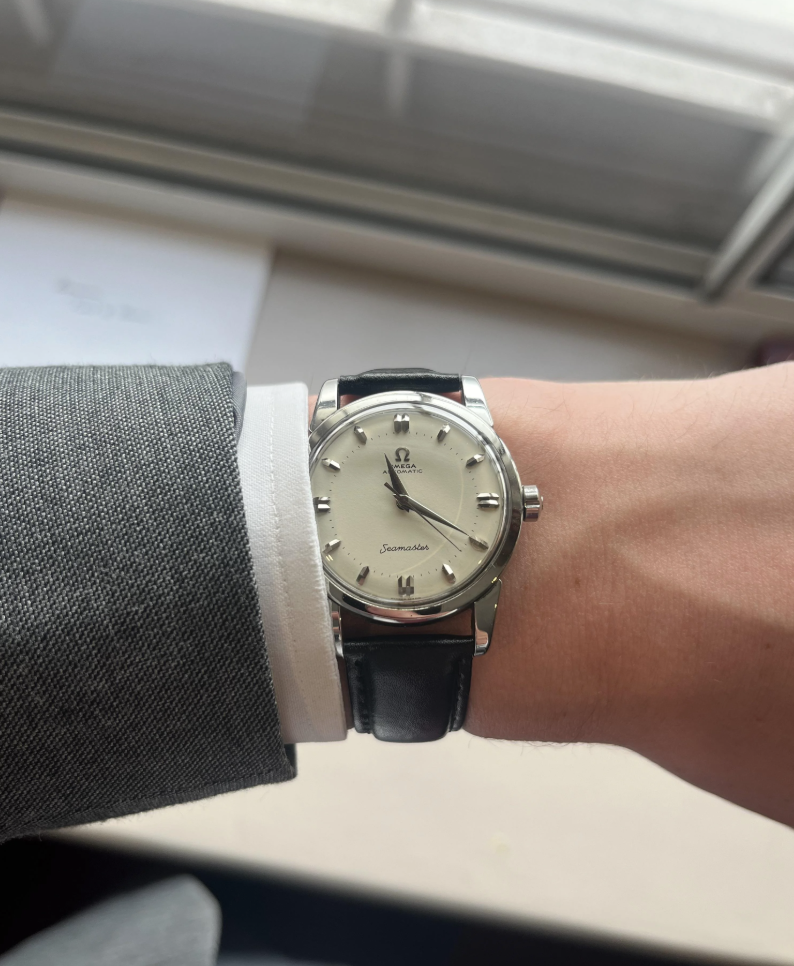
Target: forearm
[(652, 605)]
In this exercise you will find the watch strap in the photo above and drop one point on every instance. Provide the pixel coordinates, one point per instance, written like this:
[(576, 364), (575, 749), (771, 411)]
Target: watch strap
[(394, 380), (409, 688)]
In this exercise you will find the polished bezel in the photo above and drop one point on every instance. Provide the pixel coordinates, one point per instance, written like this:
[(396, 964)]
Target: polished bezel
[(479, 584)]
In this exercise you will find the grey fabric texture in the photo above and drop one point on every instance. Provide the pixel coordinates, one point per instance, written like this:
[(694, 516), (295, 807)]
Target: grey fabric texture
[(133, 669), (172, 923)]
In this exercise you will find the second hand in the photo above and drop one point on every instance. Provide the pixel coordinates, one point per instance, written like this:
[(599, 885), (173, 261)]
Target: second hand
[(397, 497)]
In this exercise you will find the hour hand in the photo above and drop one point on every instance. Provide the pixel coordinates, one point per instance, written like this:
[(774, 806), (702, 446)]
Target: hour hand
[(396, 482)]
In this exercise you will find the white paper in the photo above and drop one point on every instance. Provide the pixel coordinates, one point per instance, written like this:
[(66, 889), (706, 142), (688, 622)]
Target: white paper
[(78, 288)]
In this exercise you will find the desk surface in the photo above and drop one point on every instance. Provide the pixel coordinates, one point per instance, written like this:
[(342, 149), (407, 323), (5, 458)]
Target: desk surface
[(582, 837)]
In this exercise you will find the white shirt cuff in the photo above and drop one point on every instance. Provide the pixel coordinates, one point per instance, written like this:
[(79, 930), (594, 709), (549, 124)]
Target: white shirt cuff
[(274, 473)]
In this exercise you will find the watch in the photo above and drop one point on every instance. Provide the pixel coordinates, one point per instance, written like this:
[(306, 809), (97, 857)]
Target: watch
[(418, 507)]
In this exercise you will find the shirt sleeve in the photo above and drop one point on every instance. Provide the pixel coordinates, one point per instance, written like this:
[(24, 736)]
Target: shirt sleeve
[(274, 474)]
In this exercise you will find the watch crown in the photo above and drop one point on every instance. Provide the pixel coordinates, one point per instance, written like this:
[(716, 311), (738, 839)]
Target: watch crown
[(531, 501)]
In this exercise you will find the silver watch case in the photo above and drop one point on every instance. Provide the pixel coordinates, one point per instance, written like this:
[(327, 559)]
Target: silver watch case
[(482, 590)]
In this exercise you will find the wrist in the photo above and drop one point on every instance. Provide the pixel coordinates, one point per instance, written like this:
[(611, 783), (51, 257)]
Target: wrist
[(549, 671)]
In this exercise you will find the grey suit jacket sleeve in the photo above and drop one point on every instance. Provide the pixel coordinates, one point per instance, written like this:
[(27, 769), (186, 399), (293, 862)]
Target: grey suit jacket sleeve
[(133, 669)]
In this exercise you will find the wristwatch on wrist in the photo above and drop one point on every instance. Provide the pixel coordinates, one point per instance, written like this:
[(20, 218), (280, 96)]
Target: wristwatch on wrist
[(418, 507)]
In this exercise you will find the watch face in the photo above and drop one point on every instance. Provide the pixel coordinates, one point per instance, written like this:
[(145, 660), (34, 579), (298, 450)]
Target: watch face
[(411, 504)]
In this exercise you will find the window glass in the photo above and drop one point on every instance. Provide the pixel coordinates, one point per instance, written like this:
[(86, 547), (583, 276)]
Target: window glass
[(660, 119)]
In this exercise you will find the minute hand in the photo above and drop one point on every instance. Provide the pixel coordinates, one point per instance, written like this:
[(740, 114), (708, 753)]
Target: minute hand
[(421, 508)]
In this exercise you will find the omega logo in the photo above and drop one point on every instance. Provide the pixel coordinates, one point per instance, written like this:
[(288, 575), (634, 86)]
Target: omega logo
[(402, 461)]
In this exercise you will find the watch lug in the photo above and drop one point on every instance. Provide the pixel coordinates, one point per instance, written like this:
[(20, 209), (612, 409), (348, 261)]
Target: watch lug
[(484, 617), (327, 403), (474, 398)]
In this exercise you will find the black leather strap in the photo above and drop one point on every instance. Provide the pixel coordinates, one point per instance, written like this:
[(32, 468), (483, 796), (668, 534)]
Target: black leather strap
[(409, 688), (390, 380)]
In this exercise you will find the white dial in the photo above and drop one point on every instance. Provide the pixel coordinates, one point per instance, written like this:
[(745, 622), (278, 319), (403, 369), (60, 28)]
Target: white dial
[(410, 504)]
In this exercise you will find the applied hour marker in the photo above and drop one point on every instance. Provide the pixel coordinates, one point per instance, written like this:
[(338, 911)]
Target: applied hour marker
[(362, 575), (331, 546), (405, 586), (449, 573), (474, 460), (322, 504), (487, 501), (332, 465), (442, 433), (402, 422), (360, 435), (479, 543)]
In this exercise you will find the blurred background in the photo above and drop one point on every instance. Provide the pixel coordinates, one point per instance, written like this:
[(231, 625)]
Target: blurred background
[(566, 189)]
